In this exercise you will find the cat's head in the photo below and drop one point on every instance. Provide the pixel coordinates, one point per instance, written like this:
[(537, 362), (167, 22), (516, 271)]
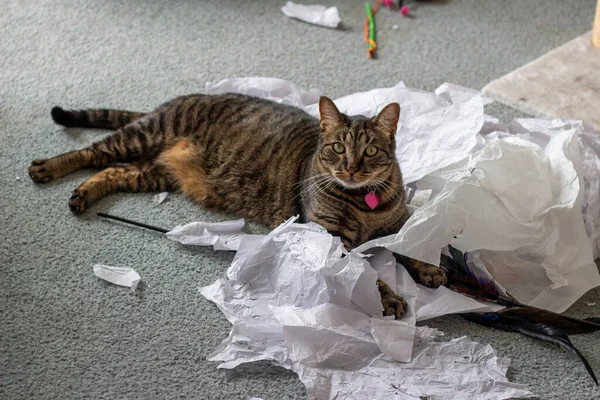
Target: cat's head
[(358, 151)]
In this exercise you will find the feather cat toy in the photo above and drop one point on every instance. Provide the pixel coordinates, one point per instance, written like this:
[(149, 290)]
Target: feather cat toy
[(462, 279), (517, 317)]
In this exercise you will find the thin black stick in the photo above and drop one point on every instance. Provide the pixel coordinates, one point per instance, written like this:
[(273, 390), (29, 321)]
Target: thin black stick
[(128, 221)]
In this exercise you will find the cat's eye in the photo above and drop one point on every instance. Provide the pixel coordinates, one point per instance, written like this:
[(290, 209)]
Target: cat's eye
[(371, 151), (338, 148)]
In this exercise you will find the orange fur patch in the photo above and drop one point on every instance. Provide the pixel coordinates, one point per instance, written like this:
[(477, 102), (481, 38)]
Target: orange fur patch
[(180, 162)]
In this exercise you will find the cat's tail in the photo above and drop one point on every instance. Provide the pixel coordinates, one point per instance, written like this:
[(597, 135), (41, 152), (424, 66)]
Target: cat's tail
[(94, 118)]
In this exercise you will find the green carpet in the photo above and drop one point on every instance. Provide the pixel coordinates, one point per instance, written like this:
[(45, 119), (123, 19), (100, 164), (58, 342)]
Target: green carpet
[(64, 333)]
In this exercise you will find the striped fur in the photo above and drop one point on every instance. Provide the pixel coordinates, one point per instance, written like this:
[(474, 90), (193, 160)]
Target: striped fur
[(100, 119), (247, 156)]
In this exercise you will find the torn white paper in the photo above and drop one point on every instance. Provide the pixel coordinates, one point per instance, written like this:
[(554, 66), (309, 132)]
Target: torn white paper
[(220, 235), (457, 93), (294, 300), (458, 369), (314, 14), (118, 275), (540, 131), (274, 89), (367, 104), (159, 198)]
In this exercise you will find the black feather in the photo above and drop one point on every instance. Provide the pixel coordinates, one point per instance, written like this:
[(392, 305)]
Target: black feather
[(462, 279), (568, 324), (527, 327)]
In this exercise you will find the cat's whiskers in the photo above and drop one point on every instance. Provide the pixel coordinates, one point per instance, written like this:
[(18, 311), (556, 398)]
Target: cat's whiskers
[(309, 179), (385, 186), (331, 182), (323, 185), (394, 194), (328, 184), (310, 189)]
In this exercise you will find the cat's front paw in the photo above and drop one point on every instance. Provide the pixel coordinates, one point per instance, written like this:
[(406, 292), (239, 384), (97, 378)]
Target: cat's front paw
[(392, 303), (40, 172), (430, 275)]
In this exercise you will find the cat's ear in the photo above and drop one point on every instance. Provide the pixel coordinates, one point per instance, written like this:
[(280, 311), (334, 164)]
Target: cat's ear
[(330, 115), (387, 119)]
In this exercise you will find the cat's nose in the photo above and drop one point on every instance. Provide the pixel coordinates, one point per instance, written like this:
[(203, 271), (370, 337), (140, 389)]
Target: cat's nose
[(351, 171)]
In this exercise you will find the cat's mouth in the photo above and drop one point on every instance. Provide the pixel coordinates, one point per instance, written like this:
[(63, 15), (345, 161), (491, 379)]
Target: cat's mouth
[(352, 182), (358, 180)]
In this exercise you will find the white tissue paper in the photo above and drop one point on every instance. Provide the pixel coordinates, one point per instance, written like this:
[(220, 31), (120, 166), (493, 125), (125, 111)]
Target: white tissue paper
[(540, 131), (121, 276), (295, 300), (220, 235), (274, 89), (314, 14), (160, 198), (522, 199)]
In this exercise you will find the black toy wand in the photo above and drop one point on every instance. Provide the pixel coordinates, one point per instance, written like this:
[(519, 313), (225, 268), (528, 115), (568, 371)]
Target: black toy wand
[(128, 221)]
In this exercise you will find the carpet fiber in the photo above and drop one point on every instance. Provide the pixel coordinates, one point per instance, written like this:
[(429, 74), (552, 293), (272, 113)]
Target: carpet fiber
[(64, 333)]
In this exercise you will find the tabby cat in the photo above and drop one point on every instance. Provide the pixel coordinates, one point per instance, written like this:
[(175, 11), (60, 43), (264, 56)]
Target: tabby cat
[(255, 158)]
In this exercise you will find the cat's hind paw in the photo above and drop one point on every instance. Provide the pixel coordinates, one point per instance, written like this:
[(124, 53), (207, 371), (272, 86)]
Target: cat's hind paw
[(78, 201)]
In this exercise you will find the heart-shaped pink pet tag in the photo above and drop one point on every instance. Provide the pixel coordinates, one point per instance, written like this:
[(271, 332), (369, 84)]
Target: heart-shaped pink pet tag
[(372, 199)]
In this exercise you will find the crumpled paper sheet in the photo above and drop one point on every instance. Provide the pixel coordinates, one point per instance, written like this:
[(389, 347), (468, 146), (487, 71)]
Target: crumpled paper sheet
[(274, 89), (314, 14), (220, 235), (533, 212), (296, 298), (540, 131), (160, 198), (121, 276)]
